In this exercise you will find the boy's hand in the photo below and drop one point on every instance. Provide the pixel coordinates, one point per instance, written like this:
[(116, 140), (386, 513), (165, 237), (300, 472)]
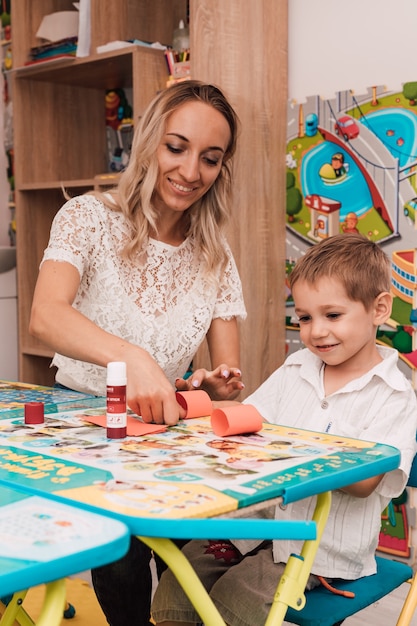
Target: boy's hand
[(222, 383)]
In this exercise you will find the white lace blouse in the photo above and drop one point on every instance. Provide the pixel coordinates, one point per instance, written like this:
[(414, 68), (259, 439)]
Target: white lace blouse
[(166, 306)]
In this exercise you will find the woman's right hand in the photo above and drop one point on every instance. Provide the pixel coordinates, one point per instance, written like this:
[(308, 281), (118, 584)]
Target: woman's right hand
[(67, 331), (149, 393)]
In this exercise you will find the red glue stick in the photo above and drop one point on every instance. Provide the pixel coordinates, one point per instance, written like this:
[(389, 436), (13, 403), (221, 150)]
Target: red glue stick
[(116, 415)]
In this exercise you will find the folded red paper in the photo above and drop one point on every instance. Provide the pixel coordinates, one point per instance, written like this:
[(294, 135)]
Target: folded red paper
[(236, 420), (135, 428), (196, 403), (232, 420)]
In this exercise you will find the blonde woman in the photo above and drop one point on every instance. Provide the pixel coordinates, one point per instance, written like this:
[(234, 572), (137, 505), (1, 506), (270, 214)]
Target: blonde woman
[(143, 274)]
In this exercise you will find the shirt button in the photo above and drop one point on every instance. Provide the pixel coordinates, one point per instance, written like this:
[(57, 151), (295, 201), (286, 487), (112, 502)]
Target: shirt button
[(324, 404)]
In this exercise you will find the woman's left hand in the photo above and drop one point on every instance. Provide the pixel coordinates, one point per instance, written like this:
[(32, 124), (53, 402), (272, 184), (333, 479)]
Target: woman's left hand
[(222, 383)]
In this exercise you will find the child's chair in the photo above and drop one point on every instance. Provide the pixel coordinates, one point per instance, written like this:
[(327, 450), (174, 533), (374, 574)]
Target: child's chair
[(325, 608)]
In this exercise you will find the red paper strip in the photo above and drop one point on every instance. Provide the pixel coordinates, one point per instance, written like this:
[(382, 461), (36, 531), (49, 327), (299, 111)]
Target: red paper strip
[(135, 428), (197, 403)]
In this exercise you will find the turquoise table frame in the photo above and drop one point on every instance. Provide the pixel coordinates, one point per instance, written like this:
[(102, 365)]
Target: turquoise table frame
[(42, 541), (290, 464)]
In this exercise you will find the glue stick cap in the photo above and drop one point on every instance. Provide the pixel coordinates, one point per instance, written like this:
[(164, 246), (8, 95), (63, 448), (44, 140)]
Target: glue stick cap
[(116, 373), (34, 413)]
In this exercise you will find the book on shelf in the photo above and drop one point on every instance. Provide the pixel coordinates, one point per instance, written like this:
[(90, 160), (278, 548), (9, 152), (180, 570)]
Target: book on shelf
[(54, 49)]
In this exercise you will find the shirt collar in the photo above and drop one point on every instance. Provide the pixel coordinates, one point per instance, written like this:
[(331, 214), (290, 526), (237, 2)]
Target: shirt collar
[(387, 370)]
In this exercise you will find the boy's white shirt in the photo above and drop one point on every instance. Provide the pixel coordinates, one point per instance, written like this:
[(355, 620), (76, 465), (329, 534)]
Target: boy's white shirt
[(379, 406)]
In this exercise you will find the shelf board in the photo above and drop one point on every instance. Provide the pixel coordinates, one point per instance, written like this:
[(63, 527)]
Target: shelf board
[(87, 183), (38, 351), (107, 179), (99, 71)]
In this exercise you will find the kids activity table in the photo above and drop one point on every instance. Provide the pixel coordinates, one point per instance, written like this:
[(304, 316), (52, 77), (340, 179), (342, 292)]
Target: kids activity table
[(185, 482), (42, 541)]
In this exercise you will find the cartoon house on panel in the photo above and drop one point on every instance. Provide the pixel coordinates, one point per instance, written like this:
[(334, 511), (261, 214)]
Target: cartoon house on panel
[(404, 287), (325, 216), (403, 279)]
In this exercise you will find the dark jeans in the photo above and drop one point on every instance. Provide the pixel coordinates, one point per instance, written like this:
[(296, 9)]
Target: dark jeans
[(124, 588)]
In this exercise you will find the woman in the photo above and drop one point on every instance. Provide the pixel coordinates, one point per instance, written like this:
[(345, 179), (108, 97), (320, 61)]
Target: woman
[(143, 274)]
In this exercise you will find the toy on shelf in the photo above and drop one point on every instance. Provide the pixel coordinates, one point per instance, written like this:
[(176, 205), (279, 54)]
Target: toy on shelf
[(5, 20), (12, 224), (178, 63), (178, 55), (6, 36), (11, 203), (119, 128)]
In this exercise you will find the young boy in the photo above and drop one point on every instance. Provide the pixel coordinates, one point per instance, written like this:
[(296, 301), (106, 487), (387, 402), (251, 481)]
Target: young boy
[(341, 383)]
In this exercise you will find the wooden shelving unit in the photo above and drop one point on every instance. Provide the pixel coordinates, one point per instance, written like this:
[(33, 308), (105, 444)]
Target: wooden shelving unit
[(60, 141), (59, 125)]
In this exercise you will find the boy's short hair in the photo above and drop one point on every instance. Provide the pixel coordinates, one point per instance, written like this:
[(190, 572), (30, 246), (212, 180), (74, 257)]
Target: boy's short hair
[(361, 266)]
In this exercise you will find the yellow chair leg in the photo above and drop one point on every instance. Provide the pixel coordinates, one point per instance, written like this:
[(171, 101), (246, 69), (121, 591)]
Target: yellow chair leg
[(52, 608), (409, 605), (23, 618), (290, 589), (53, 604), (187, 577), (14, 611)]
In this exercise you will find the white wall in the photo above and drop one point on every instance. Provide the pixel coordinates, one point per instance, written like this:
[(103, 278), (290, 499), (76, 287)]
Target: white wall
[(334, 46)]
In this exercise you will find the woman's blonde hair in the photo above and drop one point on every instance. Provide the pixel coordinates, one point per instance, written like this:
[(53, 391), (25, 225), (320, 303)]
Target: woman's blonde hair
[(208, 217)]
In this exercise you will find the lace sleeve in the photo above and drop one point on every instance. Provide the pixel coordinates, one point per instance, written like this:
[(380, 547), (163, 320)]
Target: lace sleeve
[(230, 297), (75, 232)]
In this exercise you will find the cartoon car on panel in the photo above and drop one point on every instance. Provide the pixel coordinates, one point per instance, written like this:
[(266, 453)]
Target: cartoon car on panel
[(346, 127), (410, 209)]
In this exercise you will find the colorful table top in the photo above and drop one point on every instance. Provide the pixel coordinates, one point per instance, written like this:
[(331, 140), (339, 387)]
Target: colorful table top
[(14, 396), (184, 472)]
